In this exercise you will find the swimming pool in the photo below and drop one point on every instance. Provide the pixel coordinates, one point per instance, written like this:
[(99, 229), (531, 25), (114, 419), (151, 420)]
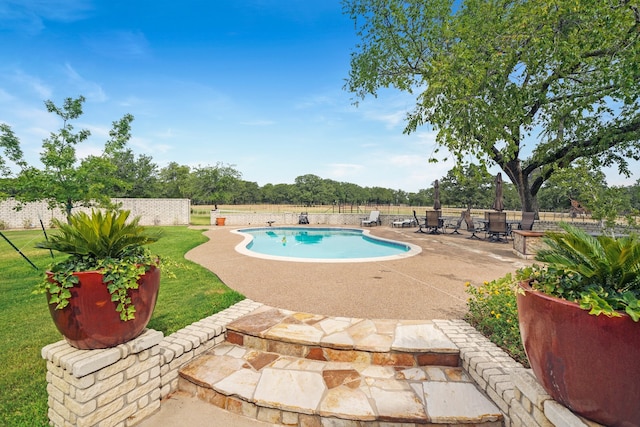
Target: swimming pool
[(313, 244)]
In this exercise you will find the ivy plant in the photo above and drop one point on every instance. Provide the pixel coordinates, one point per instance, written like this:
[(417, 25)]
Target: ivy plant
[(101, 241)]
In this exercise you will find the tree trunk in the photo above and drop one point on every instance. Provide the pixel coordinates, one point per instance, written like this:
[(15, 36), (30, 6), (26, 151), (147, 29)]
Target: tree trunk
[(528, 200)]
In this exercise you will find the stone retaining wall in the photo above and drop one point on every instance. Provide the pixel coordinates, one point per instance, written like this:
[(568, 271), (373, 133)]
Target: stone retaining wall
[(512, 387), (150, 211), (123, 385)]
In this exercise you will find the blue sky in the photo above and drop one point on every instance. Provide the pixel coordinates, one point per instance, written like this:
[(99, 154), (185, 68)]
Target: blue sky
[(257, 84)]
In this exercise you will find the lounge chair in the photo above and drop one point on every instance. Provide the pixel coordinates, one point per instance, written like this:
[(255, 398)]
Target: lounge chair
[(403, 223), (472, 225), (528, 218), (374, 219)]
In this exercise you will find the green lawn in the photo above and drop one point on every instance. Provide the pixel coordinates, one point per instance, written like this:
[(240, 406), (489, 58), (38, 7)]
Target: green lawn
[(26, 327)]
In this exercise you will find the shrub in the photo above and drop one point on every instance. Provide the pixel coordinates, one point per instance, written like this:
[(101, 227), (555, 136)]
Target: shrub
[(601, 273), (494, 313)]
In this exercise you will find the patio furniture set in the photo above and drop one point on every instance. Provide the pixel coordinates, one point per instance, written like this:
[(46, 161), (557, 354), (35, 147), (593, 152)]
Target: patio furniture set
[(495, 225)]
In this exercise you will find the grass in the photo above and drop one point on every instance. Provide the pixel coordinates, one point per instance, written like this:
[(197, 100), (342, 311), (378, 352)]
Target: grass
[(26, 326)]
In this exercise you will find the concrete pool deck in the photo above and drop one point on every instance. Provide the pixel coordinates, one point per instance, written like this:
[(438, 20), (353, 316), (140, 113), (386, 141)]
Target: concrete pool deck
[(429, 285)]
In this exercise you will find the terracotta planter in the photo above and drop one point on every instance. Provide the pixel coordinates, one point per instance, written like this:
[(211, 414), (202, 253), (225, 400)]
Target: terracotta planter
[(590, 364), (220, 220), (90, 321)]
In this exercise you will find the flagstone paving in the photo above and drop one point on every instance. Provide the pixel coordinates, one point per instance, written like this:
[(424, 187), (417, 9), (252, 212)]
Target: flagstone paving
[(311, 370)]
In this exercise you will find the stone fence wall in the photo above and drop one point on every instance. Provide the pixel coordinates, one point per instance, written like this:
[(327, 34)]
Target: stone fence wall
[(150, 211), (291, 218)]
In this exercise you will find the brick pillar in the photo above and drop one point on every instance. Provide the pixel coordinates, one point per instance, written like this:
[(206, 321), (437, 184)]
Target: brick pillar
[(114, 386)]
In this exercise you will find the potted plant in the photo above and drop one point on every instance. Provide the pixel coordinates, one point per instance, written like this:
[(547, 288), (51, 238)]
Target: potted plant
[(104, 292), (578, 317)]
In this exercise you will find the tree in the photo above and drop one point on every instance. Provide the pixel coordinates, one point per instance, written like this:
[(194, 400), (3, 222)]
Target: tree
[(139, 175), (312, 189), (66, 181), (174, 181), (213, 184), (495, 76), (588, 186), (470, 186), (248, 192)]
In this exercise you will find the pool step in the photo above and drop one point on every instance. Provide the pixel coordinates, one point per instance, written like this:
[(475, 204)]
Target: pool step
[(342, 339), (301, 369)]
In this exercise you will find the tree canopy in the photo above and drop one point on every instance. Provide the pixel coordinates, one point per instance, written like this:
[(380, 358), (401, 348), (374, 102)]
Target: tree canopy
[(528, 86), (66, 181)]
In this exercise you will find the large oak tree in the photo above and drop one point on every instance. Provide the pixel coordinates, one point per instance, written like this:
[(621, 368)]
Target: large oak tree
[(530, 86)]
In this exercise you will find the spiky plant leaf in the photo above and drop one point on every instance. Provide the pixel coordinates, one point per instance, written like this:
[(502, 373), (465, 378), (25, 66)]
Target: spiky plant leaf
[(602, 273), (106, 242)]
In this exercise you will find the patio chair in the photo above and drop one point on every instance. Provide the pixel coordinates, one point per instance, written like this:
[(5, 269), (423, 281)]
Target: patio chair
[(455, 224), (528, 218), (472, 226), (421, 225), (433, 221), (374, 219), (497, 228), (303, 218)]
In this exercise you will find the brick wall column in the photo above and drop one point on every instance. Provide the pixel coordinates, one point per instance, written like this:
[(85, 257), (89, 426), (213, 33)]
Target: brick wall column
[(118, 386)]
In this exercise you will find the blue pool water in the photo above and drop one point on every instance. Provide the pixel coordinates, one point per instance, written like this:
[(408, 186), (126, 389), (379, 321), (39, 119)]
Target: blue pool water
[(320, 244)]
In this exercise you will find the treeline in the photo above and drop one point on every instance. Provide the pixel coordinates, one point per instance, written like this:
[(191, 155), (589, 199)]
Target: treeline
[(463, 186), (67, 181), (467, 186)]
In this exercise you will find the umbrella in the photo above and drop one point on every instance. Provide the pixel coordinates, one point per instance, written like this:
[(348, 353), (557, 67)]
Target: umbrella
[(498, 203), (436, 195)]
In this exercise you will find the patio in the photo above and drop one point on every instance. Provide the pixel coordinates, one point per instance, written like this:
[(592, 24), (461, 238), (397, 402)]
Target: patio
[(429, 285)]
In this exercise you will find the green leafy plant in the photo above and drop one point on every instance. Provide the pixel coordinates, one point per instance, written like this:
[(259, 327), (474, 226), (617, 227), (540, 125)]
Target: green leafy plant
[(493, 312), (601, 273), (103, 242)]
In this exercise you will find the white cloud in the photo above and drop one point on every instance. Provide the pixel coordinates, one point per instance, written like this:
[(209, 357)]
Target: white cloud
[(258, 123), (341, 170), (34, 84), (119, 44), (30, 16), (166, 134), (315, 101), (91, 90), (88, 149)]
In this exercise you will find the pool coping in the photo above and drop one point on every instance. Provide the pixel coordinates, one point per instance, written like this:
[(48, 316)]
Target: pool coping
[(242, 247)]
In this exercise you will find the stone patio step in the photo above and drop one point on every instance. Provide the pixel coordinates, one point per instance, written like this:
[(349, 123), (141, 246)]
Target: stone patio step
[(342, 339), (289, 390)]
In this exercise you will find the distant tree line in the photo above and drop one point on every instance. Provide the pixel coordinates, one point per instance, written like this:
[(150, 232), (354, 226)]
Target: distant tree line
[(66, 181)]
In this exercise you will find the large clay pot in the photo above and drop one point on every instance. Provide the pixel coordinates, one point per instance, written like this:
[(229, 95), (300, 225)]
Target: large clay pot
[(91, 321), (588, 363)]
